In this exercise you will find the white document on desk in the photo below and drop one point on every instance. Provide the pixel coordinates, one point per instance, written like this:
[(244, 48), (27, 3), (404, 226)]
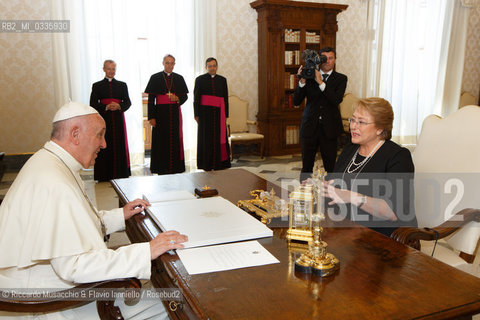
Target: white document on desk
[(207, 221), (225, 257), (169, 196)]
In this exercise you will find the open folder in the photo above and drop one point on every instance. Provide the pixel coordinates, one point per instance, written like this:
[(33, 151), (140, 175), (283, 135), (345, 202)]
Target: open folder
[(207, 221)]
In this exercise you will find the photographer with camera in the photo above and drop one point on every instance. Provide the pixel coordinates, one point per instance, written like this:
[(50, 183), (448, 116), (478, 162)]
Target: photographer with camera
[(321, 120)]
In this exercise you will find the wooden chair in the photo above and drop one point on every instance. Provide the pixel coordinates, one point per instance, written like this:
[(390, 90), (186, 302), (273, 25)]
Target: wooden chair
[(466, 99), (2, 165), (2, 170), (238, 123), (346, 109), (447, 180), (106, 309)]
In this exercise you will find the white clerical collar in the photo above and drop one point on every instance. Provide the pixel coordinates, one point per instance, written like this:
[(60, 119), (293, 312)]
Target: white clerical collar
[(168, 74), (212, 75), (109, 79), (66, 157)]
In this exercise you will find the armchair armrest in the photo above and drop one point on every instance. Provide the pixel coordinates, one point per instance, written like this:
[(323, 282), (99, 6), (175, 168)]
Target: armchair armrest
[(412, 236), (106, 309)]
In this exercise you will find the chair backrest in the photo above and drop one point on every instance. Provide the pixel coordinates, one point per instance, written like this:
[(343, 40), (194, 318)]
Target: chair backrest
[(346, 106), (450, 144), (466, 99), (238, 114), (447, 173)]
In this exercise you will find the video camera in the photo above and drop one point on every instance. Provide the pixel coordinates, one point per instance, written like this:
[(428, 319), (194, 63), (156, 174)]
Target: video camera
[(312, 60)]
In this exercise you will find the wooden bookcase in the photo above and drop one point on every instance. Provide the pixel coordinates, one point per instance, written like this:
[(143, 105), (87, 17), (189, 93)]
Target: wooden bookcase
[(285, 29)]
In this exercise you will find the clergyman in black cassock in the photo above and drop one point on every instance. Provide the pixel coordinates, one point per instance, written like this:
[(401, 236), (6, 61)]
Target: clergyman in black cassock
[(167, 91), (211, 112), (110, 98)]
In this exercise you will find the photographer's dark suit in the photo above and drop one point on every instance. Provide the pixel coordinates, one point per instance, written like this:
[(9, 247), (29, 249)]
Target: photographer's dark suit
[(321, 120)]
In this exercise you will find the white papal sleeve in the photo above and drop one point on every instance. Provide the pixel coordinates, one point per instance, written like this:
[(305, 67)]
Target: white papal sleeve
[(114, 220), (125, 262)]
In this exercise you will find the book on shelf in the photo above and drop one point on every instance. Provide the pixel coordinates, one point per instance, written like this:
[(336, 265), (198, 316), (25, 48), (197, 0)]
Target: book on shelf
[(292, 57), (290, 81), (292, 36), (289, 101), (292, 135), (312, 37)]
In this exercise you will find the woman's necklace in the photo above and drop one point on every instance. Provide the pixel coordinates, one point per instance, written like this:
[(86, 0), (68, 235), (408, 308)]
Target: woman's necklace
[(352, 163), (353, 166)]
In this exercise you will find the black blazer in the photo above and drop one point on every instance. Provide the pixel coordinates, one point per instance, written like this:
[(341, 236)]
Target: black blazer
[(322, 104)]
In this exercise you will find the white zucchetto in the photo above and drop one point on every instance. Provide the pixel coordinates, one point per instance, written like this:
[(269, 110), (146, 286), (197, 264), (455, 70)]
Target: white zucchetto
[(73, 109)]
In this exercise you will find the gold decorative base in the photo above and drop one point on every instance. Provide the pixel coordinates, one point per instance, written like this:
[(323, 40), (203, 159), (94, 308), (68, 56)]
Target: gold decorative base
[(266, 205), (320, 266), (299, 235), (260, 212), (297, 247)]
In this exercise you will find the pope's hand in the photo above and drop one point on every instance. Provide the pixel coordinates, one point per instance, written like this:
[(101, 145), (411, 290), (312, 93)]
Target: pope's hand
[(134, 207), (165, 241)]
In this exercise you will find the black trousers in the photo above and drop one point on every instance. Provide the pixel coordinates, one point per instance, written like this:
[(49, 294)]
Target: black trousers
[(310, 145)]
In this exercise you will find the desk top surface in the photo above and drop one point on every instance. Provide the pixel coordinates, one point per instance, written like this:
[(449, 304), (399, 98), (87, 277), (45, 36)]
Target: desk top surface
[(378, 277)]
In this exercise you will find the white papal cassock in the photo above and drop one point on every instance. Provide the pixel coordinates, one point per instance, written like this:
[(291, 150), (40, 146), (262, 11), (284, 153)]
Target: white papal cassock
[(50, 237)]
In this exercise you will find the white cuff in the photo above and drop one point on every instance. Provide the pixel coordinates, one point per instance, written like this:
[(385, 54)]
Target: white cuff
[(114, 220)]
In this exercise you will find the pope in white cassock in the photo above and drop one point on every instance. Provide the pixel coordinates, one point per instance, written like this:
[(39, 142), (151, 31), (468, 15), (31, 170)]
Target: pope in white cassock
[(51, 236)]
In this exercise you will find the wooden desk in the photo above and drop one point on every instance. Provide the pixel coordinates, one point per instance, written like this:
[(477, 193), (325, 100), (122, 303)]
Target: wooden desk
[(378, 277)]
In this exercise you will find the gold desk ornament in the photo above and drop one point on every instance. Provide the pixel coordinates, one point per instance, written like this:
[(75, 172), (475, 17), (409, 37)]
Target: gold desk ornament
[(266, 205), (300, 209), (308, 203)]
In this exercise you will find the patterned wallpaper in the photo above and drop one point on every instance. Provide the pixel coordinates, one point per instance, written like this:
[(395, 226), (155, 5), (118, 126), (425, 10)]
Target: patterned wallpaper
[(237, 47), (237, 50), (471, 72), (26, 80)]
